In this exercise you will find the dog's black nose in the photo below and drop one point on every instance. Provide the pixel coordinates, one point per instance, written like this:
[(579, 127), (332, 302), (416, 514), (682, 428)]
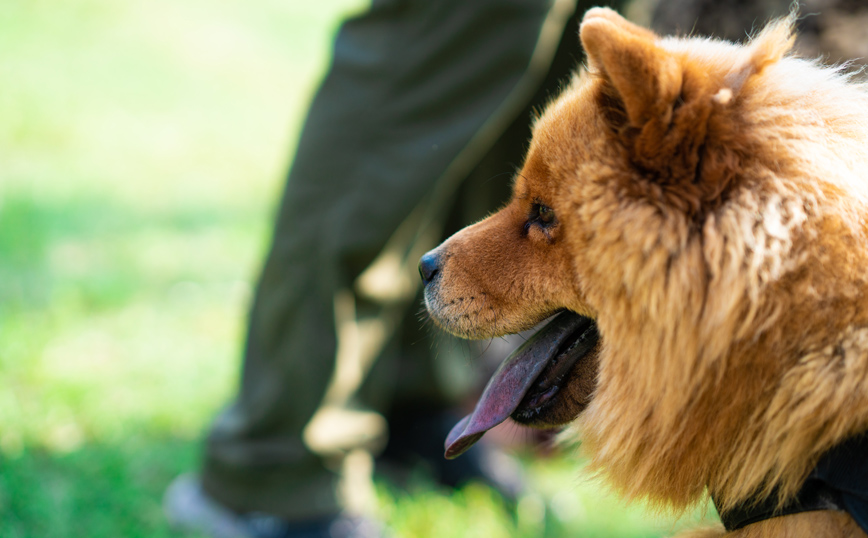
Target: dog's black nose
[(429, 266)]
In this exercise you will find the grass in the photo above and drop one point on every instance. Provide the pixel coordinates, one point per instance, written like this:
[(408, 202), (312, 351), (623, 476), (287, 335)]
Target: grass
[(143, 146)]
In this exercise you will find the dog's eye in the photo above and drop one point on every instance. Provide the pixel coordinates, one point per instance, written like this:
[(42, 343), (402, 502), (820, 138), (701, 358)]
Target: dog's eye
[(541, 215), (546, 214)]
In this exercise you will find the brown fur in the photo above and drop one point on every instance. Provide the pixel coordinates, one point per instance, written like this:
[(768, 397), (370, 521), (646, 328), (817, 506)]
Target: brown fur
[(710, 203)]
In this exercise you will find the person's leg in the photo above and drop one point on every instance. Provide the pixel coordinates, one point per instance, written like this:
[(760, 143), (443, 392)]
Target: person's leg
[(412, 83)]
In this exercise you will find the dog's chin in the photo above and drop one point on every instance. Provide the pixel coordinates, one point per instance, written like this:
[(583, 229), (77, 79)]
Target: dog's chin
[(548, 381)]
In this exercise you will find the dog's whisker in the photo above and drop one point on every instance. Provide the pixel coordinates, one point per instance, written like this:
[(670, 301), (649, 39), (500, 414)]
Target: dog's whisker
[(495, 176)]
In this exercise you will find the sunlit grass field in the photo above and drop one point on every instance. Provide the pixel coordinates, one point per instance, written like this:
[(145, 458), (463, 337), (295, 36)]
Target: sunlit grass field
[(142, 149)]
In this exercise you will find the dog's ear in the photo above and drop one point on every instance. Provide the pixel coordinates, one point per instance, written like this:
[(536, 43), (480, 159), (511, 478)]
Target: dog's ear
[(766, 48), (651, 101), (649, 80), (646, 79), (659, 101)]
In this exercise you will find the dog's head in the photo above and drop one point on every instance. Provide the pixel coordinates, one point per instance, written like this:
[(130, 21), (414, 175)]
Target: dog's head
[(669, 194), (612, 158)]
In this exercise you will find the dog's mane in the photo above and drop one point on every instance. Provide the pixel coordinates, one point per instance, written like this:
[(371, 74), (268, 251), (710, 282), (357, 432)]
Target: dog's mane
[(736, 343)]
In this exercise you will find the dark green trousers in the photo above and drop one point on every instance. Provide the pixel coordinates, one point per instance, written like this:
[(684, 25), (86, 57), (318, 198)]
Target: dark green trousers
[(415, 130)]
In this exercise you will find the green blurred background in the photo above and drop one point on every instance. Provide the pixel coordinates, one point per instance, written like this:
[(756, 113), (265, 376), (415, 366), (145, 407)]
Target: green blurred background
[(142, 149)]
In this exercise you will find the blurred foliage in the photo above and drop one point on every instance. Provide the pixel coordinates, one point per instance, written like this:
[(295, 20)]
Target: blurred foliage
[(143, 144)]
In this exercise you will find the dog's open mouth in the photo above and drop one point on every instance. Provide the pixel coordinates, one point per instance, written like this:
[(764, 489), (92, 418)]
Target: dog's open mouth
[(546, 381)]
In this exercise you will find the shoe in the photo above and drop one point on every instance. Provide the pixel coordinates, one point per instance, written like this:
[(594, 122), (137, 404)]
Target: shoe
[(189, 509)]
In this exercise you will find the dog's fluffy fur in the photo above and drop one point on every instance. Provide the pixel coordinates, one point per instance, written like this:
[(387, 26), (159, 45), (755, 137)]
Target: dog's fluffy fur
[(709, 211)]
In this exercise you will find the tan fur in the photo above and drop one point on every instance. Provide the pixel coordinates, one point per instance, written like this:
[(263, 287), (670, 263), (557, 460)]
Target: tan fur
[(710, 204)]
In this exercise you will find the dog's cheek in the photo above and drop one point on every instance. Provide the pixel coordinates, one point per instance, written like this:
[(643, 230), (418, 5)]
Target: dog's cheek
[(532, 264), (515, 270), (497, 277), (492, 277), (491, 261)]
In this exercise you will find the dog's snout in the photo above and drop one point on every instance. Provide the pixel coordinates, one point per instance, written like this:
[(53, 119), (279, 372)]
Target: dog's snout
[(429, 266)]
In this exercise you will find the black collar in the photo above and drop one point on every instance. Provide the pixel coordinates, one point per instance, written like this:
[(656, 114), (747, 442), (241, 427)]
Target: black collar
[(838, 482)]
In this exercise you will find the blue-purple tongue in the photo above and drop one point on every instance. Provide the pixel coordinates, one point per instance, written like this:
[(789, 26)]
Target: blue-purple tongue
[(509, 384)]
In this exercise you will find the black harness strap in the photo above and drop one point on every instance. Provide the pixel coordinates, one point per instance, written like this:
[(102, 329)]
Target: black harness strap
[(838, 482), (814, 495)]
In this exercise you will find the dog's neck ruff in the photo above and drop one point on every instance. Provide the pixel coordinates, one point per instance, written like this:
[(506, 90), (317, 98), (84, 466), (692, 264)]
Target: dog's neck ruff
[(838, 482)]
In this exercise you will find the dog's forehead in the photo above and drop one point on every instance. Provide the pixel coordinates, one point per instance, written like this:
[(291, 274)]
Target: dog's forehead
[(559, 138), (559, 117), (533, 178)]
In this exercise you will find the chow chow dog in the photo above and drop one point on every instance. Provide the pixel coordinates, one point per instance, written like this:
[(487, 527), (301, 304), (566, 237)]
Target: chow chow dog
[(695, 213)]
